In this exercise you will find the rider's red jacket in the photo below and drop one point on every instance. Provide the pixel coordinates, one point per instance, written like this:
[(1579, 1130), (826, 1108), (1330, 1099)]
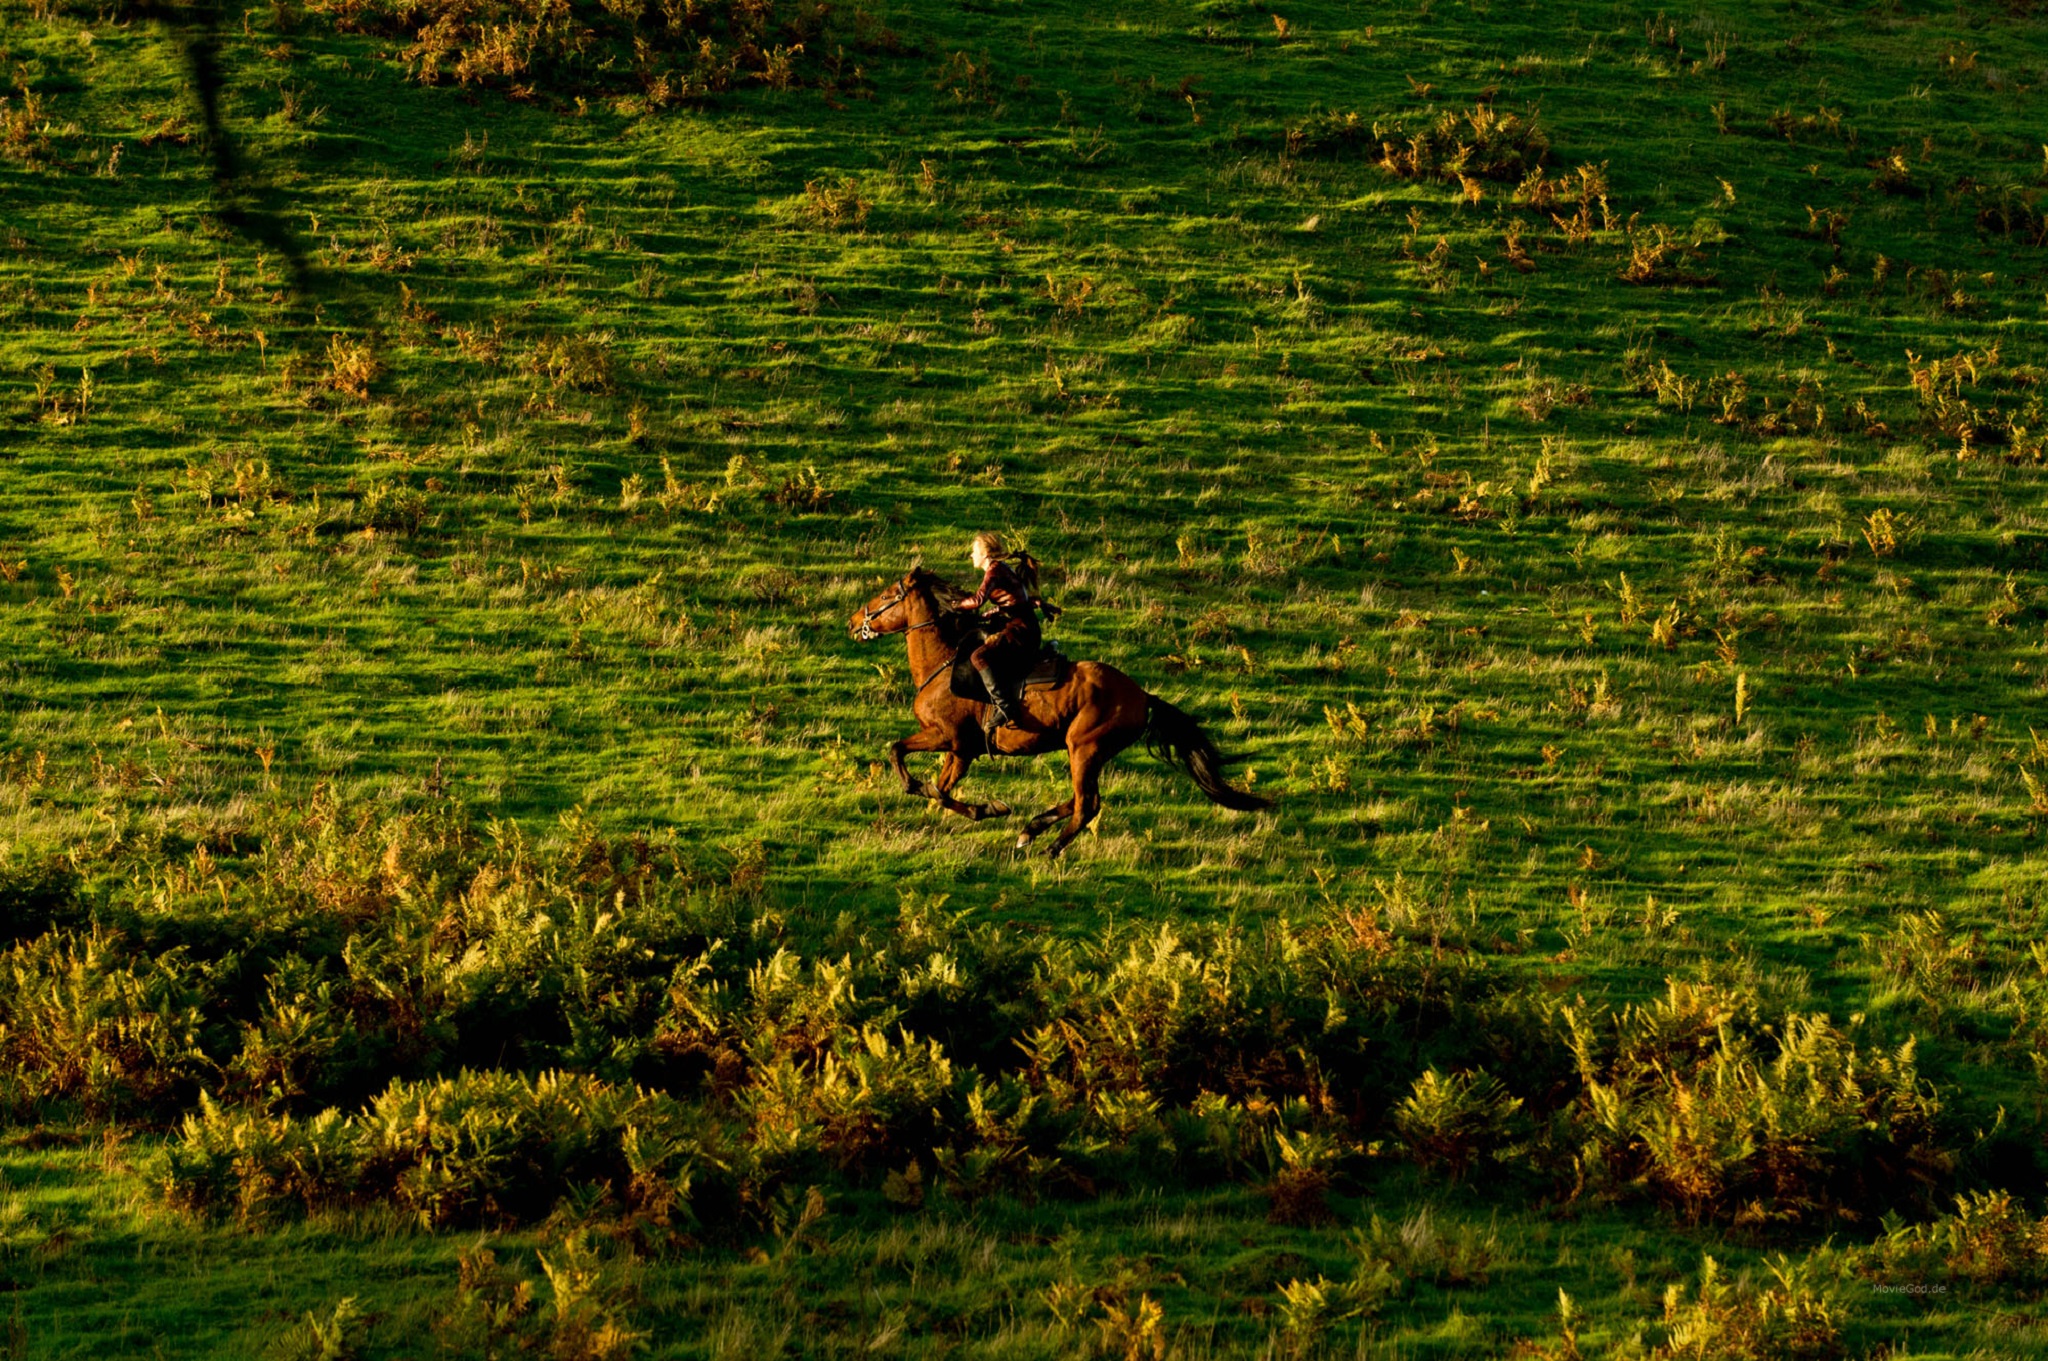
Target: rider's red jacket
[(1005, 587)]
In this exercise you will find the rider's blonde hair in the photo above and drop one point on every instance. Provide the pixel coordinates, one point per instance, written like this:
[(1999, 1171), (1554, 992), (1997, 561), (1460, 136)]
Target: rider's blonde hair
[(989, 542)]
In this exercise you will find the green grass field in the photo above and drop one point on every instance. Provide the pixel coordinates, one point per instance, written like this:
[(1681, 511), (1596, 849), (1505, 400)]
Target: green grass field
[(1619, 551)]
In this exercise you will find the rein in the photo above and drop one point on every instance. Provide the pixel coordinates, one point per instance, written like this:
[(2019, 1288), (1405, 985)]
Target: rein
[(869, 614)]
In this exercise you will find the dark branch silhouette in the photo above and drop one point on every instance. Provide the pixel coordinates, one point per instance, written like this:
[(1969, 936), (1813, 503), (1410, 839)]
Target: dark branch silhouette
[(195, 28)]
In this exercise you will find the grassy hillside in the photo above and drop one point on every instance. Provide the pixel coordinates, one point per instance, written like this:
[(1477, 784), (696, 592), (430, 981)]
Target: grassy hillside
[(1591, 457)]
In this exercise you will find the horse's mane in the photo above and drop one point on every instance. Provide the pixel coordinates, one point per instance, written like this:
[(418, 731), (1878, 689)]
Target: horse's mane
[(933, 580), (953, 625)]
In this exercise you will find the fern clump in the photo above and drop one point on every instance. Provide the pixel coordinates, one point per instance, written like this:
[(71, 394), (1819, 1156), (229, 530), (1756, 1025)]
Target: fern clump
[(1693, 1102), (478, 1030), (1449, 1122), (1989, 1239), (477, 1148), (1790, 1315), (84, 1019), (1480, 143), (668, 53)]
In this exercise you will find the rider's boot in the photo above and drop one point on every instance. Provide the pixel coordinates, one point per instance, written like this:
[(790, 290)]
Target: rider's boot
[(1002, 709)]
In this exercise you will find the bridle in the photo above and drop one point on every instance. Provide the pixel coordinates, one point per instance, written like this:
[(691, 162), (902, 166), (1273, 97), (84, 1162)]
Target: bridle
[(867, 632), (869, 614)]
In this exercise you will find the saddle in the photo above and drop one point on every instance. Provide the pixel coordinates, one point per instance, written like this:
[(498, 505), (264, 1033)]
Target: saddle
[(1050, 668)]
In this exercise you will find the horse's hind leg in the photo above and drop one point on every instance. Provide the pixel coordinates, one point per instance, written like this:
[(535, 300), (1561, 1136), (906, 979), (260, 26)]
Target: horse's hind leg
[(951, 774), (1086, 763), (1042, 821)]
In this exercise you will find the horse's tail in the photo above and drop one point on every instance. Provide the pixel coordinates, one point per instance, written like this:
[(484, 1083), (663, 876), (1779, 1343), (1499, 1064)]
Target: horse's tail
[(1174, 737)]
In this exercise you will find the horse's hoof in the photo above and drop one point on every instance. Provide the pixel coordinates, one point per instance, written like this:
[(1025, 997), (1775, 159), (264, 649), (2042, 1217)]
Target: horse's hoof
[(999, 809), (1023, 841)]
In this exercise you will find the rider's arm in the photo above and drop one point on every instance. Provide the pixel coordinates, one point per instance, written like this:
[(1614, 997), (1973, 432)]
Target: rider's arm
[(980, 597)]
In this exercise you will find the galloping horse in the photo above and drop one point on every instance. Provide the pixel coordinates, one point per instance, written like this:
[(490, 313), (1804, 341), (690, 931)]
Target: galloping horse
[(1093, 714)]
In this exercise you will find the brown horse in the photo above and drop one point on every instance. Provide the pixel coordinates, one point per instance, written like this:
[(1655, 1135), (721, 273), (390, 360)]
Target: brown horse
[(1093, 714)]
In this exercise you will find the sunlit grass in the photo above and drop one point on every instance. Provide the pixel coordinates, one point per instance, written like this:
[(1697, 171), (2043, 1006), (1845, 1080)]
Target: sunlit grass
[(1619, 589)]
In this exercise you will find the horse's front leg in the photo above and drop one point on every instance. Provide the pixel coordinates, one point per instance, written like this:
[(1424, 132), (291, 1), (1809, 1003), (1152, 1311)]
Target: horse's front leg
[(924, 739), (951, 774)]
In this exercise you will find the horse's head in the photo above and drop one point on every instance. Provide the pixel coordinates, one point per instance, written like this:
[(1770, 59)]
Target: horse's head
[(886, 614)]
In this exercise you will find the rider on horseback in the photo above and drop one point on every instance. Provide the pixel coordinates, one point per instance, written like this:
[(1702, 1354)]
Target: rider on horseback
[(1009, 581)]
